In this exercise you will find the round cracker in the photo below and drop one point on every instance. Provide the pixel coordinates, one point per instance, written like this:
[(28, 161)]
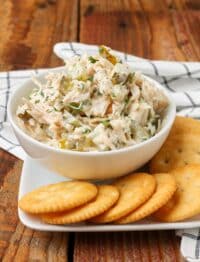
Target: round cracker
[(134, 189), (106, 197), (166, 186), (185, 202), (58, 197), (182, 124), (181, 147)]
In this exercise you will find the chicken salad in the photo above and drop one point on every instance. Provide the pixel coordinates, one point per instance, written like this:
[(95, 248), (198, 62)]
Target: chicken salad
[(97, 103)]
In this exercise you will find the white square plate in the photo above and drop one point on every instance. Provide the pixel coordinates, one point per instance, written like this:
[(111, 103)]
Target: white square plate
[(34, 176)]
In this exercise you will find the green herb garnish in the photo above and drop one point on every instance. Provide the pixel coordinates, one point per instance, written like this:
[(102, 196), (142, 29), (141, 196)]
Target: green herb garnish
[(42, 93), (86, 131), (92, 59), (55, 109), (129, 78), (75, 106), (46, 98), (126, 100), (116, 78), (37, 101), (90, 78), (106, 123)]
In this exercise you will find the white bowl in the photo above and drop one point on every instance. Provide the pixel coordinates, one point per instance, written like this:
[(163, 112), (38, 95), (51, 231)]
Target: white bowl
[(89, 165)]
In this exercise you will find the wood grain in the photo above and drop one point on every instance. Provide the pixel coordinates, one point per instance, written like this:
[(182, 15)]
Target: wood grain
[(29, 30), (18, 243), (168, 29), (127, 246), (152, 29)]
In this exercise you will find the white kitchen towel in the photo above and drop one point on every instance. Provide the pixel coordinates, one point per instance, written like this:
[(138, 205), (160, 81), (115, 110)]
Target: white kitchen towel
[(181, 79), (190, 244)]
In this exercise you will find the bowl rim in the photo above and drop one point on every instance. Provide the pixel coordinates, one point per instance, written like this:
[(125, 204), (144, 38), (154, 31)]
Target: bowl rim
[(169, 121)]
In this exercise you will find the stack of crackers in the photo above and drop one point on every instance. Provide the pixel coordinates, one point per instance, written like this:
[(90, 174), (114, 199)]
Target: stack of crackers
[(170, 192)]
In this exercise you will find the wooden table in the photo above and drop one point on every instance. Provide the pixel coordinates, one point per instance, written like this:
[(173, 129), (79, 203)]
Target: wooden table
[(28, 30)]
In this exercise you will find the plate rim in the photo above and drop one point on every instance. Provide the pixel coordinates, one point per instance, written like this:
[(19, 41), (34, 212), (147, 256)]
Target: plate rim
[(95, 228)]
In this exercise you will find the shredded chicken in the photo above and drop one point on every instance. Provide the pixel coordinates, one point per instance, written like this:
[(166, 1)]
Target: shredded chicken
[(96, 103)]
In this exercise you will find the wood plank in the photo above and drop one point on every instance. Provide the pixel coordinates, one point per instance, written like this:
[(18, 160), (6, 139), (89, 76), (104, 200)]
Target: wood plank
[(151, 29), (126, 246), (28, 38), (18, 243), (169, 246)]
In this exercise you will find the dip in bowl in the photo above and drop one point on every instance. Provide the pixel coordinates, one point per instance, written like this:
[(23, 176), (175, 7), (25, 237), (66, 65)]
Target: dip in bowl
[(95, 118)]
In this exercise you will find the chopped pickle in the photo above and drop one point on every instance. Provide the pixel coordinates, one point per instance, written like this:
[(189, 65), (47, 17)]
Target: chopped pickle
[(89, 142), (62, 144), (75, 123), (85, 78), (83, 143), (104, 52), (65, 84)]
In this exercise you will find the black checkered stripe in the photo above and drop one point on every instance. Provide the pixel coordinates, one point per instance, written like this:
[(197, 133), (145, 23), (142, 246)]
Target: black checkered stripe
[(181, 79)]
